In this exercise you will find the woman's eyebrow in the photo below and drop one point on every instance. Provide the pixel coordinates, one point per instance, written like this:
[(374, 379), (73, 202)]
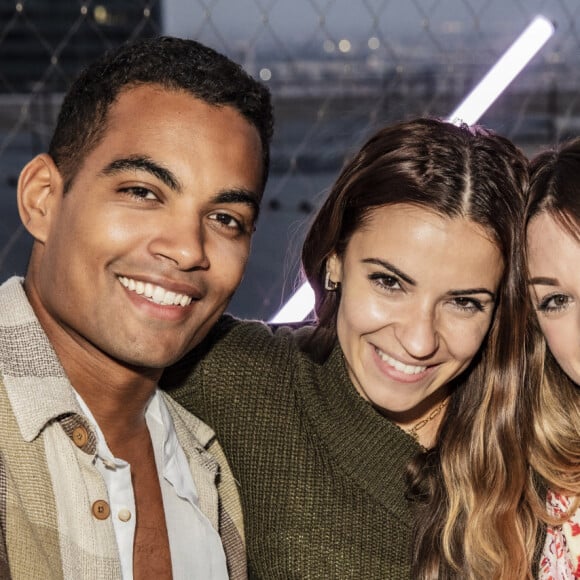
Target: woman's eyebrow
[(388, 266), (467, 291), (543, 281), (393, 269)]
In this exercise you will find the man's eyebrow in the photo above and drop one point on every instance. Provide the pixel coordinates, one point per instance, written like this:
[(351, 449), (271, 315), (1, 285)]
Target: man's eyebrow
[(543, 281), (393, 269), (141, 163), (239, 195)]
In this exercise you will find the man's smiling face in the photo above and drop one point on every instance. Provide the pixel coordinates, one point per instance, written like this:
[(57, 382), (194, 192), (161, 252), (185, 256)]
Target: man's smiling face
[(142, 254)]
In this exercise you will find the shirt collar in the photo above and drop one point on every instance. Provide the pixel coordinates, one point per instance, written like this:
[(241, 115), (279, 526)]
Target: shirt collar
[(173, 463), (174, 467), (36, 384)]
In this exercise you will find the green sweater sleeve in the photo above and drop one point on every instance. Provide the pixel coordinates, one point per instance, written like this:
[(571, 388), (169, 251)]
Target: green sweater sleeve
[(237, 367)]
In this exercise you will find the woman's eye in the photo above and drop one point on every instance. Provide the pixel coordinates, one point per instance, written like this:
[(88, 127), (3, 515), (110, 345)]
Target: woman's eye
[(554, 303), (386, 281), (226, 220), (468, 304)]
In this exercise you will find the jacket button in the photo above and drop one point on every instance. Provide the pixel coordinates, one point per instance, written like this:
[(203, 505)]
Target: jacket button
[(80, 436), (101, 509)]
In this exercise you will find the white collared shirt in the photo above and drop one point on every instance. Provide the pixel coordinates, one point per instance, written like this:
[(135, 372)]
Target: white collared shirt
[(196, 548)]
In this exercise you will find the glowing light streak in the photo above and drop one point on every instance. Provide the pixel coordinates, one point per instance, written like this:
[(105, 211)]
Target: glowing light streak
[(503, 72)]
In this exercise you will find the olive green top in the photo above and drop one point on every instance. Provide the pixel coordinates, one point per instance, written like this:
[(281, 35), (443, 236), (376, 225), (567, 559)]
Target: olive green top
[(321, 472)]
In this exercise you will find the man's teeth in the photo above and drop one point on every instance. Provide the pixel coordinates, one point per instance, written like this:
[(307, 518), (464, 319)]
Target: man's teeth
[(398, 365), (155, 293)]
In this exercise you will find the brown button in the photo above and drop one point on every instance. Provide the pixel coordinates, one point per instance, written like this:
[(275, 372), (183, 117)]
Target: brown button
[(80, 436), (101, 509)]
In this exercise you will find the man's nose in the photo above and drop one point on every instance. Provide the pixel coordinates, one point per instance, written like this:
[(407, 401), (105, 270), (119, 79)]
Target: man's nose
[(181, 241)]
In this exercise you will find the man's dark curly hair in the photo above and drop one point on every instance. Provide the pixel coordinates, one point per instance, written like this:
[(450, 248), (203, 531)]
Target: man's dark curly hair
[(173, 63)]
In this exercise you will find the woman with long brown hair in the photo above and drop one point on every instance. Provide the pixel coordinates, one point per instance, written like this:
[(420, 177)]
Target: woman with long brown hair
[(553, 251), (403, 397)]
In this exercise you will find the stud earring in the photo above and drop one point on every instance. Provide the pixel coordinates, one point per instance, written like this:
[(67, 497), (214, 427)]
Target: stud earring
[(330, 285)]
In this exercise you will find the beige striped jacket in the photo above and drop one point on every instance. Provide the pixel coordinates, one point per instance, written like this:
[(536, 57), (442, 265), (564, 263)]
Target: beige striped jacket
[(48, 483)]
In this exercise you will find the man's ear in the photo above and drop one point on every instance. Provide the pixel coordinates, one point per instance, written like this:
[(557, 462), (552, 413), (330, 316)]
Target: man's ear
[(39, 193)]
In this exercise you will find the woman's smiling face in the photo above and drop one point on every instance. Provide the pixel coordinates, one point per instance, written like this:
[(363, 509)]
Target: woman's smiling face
[(418, 293), (553, 258)]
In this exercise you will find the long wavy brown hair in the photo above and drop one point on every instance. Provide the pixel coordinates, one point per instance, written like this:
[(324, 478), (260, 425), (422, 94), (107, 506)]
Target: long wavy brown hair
[(555, 451), (474, 519)]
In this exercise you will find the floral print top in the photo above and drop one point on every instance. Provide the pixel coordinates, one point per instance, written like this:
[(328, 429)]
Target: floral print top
[(561, 556)]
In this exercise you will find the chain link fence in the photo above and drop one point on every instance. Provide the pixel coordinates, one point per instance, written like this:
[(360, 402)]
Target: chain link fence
[(338, 70)]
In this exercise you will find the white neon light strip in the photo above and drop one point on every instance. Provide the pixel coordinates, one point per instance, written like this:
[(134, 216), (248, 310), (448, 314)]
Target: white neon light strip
[(507, 68)]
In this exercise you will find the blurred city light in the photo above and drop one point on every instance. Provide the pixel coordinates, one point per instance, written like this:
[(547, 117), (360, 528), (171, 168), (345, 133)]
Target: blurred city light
[(344, 45)]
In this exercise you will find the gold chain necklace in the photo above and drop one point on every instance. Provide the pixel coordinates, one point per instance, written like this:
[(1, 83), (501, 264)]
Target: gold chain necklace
[(417, 426)]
